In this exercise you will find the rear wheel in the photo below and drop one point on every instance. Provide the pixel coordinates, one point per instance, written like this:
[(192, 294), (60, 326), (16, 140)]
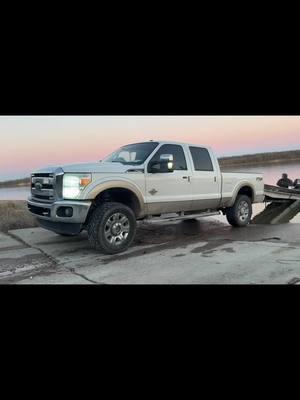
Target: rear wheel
[(240, 213), (112, 228)]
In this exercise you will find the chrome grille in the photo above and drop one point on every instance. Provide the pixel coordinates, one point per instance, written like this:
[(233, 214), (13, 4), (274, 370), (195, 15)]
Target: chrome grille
[(43, 187)]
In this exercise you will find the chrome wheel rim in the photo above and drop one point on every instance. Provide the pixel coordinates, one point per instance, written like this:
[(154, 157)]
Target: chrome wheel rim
[(243, 211), (116, 229)]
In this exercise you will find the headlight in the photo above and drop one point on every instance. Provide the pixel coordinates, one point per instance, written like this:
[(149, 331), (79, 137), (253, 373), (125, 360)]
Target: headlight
[(74, 184)]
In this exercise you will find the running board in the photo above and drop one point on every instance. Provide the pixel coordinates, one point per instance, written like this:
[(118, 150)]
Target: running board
[(182, 216)]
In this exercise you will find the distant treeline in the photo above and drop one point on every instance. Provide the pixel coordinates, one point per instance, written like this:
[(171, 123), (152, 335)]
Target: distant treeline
[(260, 159), (15, 183)]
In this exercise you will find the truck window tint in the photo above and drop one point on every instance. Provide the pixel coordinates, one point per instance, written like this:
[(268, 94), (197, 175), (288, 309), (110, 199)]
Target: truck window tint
[(201, 159), (132, 154), (178, 155)]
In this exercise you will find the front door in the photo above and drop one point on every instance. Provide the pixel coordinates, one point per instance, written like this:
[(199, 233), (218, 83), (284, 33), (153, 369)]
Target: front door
[(169, 192)]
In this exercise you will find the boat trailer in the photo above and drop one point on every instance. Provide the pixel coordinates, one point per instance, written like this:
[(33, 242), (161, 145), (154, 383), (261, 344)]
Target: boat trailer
[(282, 205)]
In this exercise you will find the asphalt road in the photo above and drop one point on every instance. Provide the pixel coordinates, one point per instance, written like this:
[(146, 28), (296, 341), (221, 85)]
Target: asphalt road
[(191, 252)]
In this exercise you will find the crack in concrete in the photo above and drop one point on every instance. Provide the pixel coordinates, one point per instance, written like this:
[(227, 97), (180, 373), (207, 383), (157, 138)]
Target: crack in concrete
[(54, 262), (52, 259), (73, 271), (286, 262)]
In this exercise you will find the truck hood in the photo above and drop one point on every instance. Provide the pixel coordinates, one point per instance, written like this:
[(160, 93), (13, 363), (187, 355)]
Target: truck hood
[(97, 167)]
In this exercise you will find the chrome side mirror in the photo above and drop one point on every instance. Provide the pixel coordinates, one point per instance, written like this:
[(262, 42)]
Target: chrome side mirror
[(166, 157), (169, 158)]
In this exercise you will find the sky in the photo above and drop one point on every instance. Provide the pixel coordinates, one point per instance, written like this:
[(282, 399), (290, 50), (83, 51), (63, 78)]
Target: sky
[(31, 142)]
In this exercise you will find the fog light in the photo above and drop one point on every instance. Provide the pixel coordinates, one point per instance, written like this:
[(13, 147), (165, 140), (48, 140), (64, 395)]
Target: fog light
[(66, 212), (69, 212)]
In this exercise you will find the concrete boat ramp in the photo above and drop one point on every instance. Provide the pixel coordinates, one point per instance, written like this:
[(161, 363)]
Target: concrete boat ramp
[(204, 251)]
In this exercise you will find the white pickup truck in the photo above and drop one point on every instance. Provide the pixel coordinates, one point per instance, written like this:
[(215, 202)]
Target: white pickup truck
[(155, 179)]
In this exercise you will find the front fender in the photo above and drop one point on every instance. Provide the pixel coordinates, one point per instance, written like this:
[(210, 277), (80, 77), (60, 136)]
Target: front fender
[(100, 185)]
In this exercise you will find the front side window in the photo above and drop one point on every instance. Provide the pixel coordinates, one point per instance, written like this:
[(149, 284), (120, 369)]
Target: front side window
[(132, 154), (201, 159), (178, 155)]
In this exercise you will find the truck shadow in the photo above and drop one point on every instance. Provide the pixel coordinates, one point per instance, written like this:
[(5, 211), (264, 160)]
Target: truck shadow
[(159, 236), (156, 233), (155, 236)]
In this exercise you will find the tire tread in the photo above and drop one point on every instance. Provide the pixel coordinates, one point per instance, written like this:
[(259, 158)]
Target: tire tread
[(231, 212), (95, 222)]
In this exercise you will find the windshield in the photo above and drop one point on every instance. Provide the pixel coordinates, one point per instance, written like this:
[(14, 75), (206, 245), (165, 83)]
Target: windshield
[(132, 154)]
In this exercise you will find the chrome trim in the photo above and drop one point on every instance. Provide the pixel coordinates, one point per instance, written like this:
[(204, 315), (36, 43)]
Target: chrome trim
[(51, 177), (80, 210)]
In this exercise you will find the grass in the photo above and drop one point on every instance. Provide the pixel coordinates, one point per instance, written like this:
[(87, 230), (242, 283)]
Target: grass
[(14, 215)]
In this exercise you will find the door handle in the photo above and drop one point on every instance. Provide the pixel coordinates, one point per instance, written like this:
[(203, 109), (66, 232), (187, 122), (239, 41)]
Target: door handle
[(187, 177)]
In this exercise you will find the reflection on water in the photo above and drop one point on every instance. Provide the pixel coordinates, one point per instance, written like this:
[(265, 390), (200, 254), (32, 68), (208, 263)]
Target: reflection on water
[(18, 193), (273, 172)]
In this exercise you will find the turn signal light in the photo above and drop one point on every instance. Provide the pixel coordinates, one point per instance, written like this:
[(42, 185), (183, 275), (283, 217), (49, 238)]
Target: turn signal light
[(85, 181)]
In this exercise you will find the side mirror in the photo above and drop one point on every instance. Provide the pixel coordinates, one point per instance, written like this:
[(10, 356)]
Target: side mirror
[(166, 157)]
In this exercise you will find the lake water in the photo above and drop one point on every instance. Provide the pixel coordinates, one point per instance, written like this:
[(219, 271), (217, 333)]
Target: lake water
[(273, 172), (18, 193)]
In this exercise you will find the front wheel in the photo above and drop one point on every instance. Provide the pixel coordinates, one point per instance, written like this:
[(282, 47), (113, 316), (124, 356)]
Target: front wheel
[(240, 213), (112, 228)]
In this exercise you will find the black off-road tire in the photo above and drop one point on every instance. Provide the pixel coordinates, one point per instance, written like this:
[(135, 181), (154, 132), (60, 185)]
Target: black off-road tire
[(233, 213), (96, 227)]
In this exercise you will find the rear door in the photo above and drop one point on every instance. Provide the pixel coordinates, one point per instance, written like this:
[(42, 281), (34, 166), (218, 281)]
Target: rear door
[(169, 192), (205, 180)]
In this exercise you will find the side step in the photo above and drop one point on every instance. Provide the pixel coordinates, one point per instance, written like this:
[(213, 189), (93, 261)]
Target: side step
[(182, 216)]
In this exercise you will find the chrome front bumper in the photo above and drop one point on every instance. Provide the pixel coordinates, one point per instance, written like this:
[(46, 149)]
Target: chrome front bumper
[(48, 212)]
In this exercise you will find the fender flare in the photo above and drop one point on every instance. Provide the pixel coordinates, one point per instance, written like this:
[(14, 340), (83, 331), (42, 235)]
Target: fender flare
[(238, 188), (99, 186)]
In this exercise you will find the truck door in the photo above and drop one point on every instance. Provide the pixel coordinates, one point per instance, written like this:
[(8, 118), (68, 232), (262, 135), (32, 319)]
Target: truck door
[(169, 192), (205, 181)]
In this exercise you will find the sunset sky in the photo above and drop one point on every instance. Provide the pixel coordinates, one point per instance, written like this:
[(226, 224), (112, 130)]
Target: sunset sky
[(30, 142)]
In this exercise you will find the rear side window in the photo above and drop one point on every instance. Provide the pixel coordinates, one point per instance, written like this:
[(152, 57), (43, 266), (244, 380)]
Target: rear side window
[(201, 159), (178, 154)]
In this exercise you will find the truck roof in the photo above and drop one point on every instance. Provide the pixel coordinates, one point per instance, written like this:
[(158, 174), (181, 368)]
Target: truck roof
[(175, 142)]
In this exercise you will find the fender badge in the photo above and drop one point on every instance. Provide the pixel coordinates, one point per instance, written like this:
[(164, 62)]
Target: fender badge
[(153, 192)]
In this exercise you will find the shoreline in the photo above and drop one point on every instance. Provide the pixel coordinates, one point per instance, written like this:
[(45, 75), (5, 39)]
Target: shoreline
[(249, 161), (229, 162), (16, 183), (14, 186)]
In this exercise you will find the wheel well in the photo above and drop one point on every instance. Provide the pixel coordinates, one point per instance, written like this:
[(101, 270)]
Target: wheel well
[(247, 191), (120, 195)]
